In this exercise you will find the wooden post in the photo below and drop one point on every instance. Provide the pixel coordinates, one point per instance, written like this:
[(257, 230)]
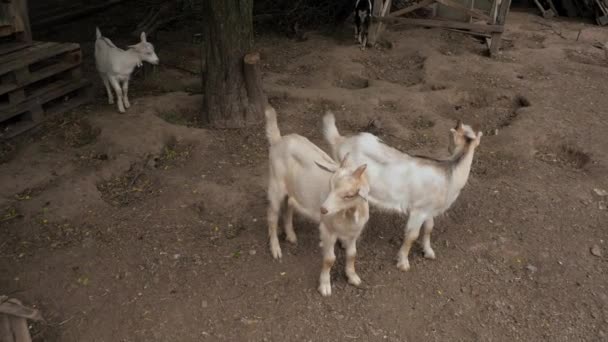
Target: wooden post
[(253, 83), (25, 20), (500, 20), (374, 26), (472, 7)]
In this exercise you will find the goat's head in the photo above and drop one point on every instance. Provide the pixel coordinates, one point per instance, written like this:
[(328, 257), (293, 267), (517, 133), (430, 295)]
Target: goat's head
[(145, 50), (348, 186), (463, 136)]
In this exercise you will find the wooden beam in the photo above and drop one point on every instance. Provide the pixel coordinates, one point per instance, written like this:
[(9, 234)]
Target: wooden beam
[(500, 21), (412, 8), (442, 23)]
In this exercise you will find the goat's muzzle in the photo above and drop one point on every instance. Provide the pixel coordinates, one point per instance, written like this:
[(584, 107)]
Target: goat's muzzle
[(323, 211)]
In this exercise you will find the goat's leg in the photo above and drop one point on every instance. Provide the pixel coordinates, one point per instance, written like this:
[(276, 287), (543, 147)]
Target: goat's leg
[(125, 93), (274, 196), (426, 238), (118, 90), (328, 241), (290, 234), (106, 83), (351, 253), (364, 41), (412, 231)]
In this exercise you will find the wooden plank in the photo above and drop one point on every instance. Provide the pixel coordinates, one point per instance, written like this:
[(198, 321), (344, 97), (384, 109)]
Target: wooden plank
[(83, 97), (42, 96), (6, 48), (40, 75), (21, 53), (442, 24), (476, 13), (412, 8), (43, 51)]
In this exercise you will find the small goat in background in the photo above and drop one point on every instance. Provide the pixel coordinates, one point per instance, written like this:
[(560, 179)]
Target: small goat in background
[(363, 14), (115, 65), (314, 185), (421, 186)]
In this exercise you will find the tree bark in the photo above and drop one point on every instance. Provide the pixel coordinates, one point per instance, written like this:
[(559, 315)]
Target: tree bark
[(228, 37), (253, 82)]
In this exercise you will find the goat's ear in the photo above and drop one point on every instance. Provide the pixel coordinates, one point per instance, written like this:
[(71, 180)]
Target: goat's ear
[(326, 167), (142, 36), (359, 171), (344, 161)]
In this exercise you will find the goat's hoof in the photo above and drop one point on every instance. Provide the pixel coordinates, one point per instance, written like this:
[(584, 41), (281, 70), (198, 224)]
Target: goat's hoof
[(111, 101), (127, 105), (292, 238), (122, 111), (354, 279), (325, 289), (275, 250), (429, 254), (403, 265)]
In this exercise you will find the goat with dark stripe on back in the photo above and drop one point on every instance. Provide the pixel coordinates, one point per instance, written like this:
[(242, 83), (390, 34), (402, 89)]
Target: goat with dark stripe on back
[(363, 14)]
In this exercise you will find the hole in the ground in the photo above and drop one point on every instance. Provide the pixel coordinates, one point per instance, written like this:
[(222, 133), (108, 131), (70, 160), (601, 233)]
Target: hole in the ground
[(132, 186), (564, 155), (352, 82), (522, 101), (573, 156)]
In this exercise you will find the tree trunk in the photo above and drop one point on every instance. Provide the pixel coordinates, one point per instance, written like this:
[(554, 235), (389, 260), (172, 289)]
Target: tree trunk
[(228, 37)]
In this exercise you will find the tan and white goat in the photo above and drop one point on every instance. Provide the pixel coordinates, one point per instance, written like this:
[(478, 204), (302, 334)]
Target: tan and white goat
[(317, 187), (116, 65), (421, 186)]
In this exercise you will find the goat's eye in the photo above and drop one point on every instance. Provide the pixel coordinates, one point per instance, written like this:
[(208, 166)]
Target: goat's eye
[(351, 196)]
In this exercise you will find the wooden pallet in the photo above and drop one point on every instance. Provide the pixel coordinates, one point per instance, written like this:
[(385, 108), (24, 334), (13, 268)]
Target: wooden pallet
[(37, 81), (61, 97), (24, 71)]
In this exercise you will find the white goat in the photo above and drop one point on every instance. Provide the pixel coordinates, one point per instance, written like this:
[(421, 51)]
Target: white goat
[(315, 186), (420, 186), (116, 65)]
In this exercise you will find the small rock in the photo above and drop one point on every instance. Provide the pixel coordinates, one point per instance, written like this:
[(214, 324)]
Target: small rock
[(252, 252), (596, 251), (204, 304), (602, 205), (601, 192), (532, 268)]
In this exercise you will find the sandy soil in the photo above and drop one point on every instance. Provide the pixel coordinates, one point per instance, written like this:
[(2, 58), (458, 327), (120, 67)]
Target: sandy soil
[(142, 227)]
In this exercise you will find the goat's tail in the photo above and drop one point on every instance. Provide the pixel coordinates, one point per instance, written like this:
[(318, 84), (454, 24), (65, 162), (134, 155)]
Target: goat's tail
[(272, 128), (330, 131), (97, 33)]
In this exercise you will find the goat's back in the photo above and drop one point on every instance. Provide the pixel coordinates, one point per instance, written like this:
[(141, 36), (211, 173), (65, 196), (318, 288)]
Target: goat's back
[(397, 180), (293, 165)]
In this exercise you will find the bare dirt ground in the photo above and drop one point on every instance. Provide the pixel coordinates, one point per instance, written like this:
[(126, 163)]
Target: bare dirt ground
[(142, 227)]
